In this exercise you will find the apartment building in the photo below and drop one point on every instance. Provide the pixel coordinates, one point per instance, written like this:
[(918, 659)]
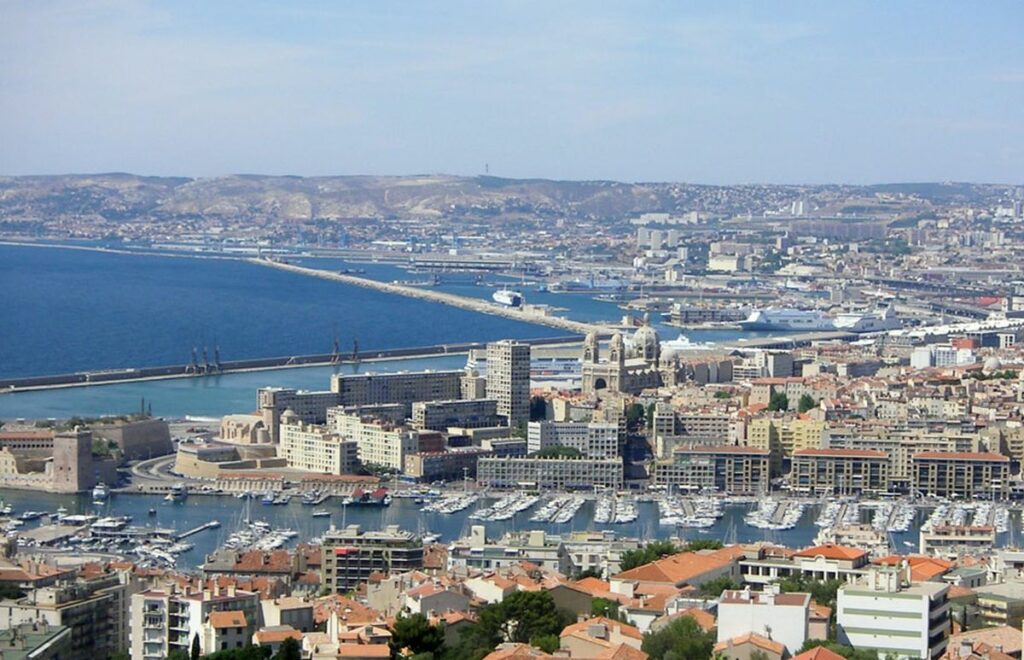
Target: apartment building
[(591, 439), (448, 465), (167, 619), (378, 442), (967, 475), (783, 436), (403, 387), (839, 472), (882, 613), (780, 617), (566, 473), (310, 407), (468, 413), (508, 379), (350, 555), (724, 469), (315, 448)]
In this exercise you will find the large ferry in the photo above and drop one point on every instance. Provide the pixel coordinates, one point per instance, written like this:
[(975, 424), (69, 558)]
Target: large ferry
[(508, 298), (787, 319), (867, 321)]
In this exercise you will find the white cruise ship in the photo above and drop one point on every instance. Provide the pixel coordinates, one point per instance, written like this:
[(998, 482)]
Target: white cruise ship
[(773, 318), (868, 321), (508, 298)]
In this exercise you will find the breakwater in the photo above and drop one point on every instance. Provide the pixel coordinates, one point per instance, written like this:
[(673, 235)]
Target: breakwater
[(450, 299), (193, 370)]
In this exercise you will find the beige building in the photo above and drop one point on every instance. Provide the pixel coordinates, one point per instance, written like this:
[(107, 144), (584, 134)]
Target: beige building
[(468, 413), (378, 443), (964, 475), (723, 469), (350, 555), (404, 388), (565, 473), (316, 449), (839, 472), (508, 379)]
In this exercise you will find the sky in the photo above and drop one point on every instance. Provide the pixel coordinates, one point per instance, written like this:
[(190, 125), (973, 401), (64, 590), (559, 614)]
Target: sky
[(705, 92)]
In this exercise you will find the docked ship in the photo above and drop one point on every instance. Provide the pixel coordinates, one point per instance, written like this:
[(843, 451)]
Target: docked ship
[(178, 493), (867, 321), (100, 493), (508, 298), (773, 318), (360, 497)]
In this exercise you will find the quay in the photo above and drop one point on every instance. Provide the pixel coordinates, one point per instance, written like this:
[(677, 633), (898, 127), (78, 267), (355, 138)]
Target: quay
[(108, 376), (212, 524), (471, 304)]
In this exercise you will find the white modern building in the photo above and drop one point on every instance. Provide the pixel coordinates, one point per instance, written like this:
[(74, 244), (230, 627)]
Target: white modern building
[(593, 439), (770, 614), (884, 613), (315, 448), (508, 379)]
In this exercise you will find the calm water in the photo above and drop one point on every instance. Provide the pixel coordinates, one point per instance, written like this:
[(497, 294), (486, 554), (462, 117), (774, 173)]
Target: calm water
[(230, 512), (70, 310)]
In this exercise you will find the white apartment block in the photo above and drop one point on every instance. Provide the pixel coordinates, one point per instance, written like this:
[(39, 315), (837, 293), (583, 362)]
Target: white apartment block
[(508, 379), (881, 613), (378, 443), (593, 439), (777, 616), (316, 449)]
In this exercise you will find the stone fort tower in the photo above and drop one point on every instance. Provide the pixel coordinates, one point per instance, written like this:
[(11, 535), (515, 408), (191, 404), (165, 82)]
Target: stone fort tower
[(72, 461)]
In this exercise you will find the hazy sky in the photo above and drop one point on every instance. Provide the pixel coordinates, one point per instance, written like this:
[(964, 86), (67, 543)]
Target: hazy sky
[(713, 92)]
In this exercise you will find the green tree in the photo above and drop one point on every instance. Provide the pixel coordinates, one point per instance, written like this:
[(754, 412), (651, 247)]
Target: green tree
[(703, 544), (558, 451), (546, 643), (10, 591), (249, 652), (805, 403), (178, 654), (121, 655), (194, 655), (682, 639), (523, 615), (415, 634), (822, 591), (714, 588), (722, 394), (605, 607), (847, 652), (634, 413), (646, 554), (650, 415), (778, 401), (289, 650), (758, 655)]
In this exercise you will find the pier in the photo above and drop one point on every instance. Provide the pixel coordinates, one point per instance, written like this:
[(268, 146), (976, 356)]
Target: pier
[(212, 524), (462, 302)]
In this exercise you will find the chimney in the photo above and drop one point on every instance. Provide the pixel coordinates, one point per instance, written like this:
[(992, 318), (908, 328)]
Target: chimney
[(231, 590)]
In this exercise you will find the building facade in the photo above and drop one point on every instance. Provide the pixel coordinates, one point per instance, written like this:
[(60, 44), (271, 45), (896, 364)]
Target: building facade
[(566, 473), (350, 555), (839, 472), (508, 379)]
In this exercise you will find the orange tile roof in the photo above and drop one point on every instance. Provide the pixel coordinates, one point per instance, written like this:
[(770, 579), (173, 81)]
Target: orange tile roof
[(704, 619), (675, 569), (515, 651), (839, 453), (818, 653), (228, 619), (755, 640), (275, 636), (624, 628), (364, 651), (832, 551)]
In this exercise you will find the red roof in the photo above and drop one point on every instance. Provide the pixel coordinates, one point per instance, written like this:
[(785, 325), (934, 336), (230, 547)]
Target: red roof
[(963, 456), (852, 453), (832, 551), (818, 653)]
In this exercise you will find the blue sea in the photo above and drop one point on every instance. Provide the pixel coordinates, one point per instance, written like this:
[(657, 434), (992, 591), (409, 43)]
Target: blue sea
[(71, 310)]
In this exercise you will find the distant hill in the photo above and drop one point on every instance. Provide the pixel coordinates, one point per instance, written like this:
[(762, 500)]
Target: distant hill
[(118, 197)]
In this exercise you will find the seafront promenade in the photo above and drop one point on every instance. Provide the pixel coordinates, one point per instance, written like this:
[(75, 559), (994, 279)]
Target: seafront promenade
[(525, 315)]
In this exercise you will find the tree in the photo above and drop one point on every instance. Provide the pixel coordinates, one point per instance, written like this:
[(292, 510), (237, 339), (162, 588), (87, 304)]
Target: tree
[(605, 607), (822, 591), (538, 408), (415, 634), (121, 655), (546, 643), (634, 413), (249, 652), (650, 415), (682, 639), (289, 650), (558, 451), (178, 654), (10, 591), (703, 544), (648, 553), (847, 652), (194, 655), (805, 403), (722, 394), (522, 616), (778, 401), (714, 588)]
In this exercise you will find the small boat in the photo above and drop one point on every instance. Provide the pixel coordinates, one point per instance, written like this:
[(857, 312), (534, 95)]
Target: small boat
[(152, 512), (321, 513), (179, 492), (268, 498), (100, 493)]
